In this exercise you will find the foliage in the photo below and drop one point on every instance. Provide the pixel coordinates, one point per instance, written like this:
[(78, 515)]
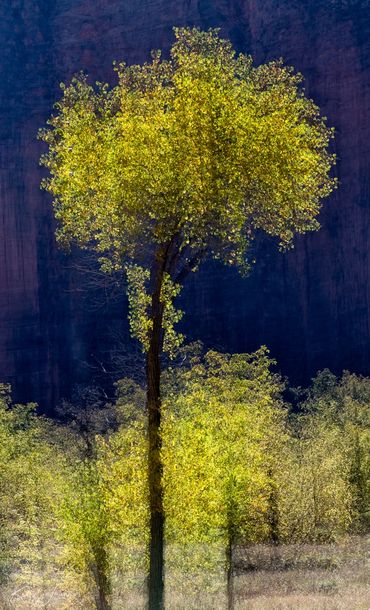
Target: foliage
[(237, 467), (218, 427), (314, 492), (86, 415), (173, 340), (32, 487), (232, 457), (193, 154), (101, 509), (56, 526), (139, 309), (323, 474), (84, 527), (201, 144), (124, 471), (139, 302), (343, 404)]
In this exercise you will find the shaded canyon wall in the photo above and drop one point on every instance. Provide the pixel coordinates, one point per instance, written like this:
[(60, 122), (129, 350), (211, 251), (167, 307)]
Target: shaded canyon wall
[(310, 306)]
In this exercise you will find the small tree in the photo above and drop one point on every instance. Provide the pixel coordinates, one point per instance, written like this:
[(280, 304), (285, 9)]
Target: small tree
[(123, 469), (85, 528), (343, 405), (186, 157), (84, 518), (221, 418), (32, 485), (97, 513), (313, 487)]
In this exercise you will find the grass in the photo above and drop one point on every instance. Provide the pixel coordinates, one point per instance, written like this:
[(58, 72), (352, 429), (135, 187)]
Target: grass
[(304, 577), (291, 577)]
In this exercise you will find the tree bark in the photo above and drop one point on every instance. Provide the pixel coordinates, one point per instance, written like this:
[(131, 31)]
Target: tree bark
[(273, 518), (101, 601), (273, 513), (230, 574), (99, 570), (155, 468)]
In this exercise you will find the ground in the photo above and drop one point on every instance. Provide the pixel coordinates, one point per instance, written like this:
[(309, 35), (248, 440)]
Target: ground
[(291, 577)]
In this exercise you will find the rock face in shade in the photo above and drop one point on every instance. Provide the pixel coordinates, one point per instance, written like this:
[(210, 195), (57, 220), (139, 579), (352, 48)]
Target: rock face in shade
[(310, 306)]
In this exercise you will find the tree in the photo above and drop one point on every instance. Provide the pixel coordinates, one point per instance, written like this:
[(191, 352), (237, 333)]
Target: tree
[(83, 513), (342, 404), (123, 471), (32, 486), (21, 461), (314, 495), (100, 505), (220, 420), (185, 158), (85, 527)]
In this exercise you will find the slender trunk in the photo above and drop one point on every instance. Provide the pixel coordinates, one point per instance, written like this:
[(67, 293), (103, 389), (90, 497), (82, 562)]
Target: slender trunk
[(315, 502), (102, 583), (230, 543), (101, 600), (155, 468), (357, 477), (359, 482), (273, 518), (230, 574), (273, 513)]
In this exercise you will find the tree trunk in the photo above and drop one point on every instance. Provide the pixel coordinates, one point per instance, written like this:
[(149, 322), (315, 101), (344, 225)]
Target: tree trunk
[(230, 575), (231, 512), (155, 468), (101, 601), (99, 570), (357, 476), (273, 519)]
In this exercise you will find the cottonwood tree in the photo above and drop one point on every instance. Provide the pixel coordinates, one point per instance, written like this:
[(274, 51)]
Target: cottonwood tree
[(104, 498), (342, 406), (83, 515), (314, 496), (32, 484), (185, 158), (221, 418)]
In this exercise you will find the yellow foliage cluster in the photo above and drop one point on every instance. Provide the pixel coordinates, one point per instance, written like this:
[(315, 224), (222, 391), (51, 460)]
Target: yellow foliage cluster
[(203, 148)]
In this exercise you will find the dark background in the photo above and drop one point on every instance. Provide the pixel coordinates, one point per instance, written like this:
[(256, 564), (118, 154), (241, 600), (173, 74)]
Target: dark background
[(310, 306)]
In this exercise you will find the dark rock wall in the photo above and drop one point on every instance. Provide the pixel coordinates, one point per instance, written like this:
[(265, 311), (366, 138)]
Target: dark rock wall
[(310, 305)]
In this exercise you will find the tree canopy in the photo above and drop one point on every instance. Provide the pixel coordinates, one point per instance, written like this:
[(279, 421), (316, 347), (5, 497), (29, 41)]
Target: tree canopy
[(199, 151)]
